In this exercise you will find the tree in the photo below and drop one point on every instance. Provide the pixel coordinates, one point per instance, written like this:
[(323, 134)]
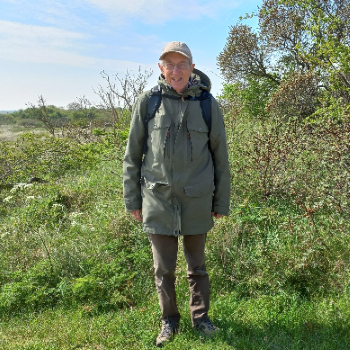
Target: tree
[(246, 54), (121, 93), (294, 37), (41, 113)]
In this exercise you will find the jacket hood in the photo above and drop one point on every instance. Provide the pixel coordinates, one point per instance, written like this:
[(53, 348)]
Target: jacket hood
[(198, 81)]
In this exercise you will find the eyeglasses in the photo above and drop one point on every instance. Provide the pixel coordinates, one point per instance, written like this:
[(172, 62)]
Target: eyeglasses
[(171, 66)]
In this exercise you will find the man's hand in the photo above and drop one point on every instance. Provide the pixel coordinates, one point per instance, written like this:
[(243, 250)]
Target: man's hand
[(137, 214), (216, 215)]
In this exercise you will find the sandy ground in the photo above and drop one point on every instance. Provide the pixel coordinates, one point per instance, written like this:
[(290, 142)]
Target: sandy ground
[(11, 132)]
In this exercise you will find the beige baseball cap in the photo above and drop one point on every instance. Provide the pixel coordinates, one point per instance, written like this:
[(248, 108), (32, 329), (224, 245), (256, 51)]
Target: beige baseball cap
[(177, 46)]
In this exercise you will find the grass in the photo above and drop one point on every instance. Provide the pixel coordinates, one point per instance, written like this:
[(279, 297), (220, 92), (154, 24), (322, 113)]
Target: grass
[(281, 322)]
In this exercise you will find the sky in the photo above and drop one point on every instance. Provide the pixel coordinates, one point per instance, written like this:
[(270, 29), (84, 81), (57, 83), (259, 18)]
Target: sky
[(58, 48)]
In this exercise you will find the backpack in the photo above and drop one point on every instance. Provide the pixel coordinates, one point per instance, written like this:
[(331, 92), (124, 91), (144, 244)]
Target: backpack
[(155, 99)]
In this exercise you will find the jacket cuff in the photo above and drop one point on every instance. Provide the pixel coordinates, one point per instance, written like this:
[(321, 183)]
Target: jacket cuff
[(131, 206), (221, 210)]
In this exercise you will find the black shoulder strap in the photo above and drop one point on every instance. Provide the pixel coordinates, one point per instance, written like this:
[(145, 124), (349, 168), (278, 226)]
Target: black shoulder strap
[(205, 100), (153, 103)]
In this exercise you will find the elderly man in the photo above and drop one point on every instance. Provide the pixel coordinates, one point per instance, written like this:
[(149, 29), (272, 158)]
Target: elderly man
[(176, 179)]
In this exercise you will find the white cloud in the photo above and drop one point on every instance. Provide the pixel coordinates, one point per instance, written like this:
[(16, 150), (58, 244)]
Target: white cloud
[(37, 44), (20, 33), (61, 13), (29, 43), (160, 11)]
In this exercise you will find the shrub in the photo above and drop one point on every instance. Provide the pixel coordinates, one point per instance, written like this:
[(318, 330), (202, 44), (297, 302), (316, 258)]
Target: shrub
[(43, 157)]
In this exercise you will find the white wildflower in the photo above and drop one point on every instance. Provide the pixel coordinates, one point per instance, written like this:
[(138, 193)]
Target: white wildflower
[(75, 214)]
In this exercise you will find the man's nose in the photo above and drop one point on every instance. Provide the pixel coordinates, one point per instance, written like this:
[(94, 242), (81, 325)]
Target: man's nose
[(176, 69)]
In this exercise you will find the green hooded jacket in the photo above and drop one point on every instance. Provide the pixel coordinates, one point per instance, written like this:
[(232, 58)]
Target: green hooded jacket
[(179, 181)]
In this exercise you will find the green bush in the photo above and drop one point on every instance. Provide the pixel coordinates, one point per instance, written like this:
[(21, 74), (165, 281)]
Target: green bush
[(44, 157)]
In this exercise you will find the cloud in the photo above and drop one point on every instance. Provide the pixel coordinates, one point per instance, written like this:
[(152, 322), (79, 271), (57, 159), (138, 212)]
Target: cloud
[(61, 13), (38, 44), (160, 11), (41, 44), (73, 13), (20, 33)]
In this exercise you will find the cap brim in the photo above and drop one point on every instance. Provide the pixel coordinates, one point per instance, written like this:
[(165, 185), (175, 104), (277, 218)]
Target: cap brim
[(181, 53)]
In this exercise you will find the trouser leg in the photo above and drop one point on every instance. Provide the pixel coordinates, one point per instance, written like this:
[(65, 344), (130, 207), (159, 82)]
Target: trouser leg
[(197, 276), (164, 250)]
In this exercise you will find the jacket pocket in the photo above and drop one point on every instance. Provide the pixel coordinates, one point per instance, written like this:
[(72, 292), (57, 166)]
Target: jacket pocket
[(197, 138), (200, 189), (151, 185), (158, 130), (197, 124)]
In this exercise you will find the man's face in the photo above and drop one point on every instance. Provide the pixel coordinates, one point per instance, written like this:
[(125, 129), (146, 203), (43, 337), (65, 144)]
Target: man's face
[(177, 78)]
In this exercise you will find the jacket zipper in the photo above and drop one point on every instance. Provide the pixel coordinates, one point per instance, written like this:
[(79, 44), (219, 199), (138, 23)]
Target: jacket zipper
[(176, 221), (166, 144), (189, 146)]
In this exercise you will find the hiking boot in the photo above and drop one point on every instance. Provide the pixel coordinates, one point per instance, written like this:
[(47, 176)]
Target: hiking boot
[(207, 328), (169, 329)]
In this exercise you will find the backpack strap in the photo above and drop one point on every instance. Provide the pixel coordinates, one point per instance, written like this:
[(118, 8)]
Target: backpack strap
[(205, 100), (154, 101)]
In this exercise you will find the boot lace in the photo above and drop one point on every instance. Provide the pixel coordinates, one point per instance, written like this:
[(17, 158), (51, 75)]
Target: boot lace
[(208, 323), (169, 327)]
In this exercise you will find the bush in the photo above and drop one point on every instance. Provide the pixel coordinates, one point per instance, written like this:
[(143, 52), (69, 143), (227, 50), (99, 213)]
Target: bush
[(44, 157), (290, 211), (6, 119), (30, 123)]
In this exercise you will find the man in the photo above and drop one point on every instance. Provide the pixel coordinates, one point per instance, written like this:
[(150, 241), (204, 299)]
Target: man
[(178, 182)]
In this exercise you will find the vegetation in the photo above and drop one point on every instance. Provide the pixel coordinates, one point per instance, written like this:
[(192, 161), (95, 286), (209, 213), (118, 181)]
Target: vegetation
[(299, 56), (77, 273)]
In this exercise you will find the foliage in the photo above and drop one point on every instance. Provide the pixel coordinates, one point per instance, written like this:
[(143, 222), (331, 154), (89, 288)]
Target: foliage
[(43, 157), (6, 118), (53, 254), (290, 216), (249, 98), (328, 26), (290, 208), (64, 259), (301, 47)]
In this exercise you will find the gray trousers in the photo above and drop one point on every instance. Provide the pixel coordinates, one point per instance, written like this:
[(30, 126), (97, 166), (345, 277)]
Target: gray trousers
[(164, 250)]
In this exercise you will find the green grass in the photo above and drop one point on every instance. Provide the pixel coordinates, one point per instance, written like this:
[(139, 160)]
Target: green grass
[(282, 322)]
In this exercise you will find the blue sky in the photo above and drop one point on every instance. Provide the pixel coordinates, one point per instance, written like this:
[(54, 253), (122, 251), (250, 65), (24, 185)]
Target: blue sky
[(58, 48)]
